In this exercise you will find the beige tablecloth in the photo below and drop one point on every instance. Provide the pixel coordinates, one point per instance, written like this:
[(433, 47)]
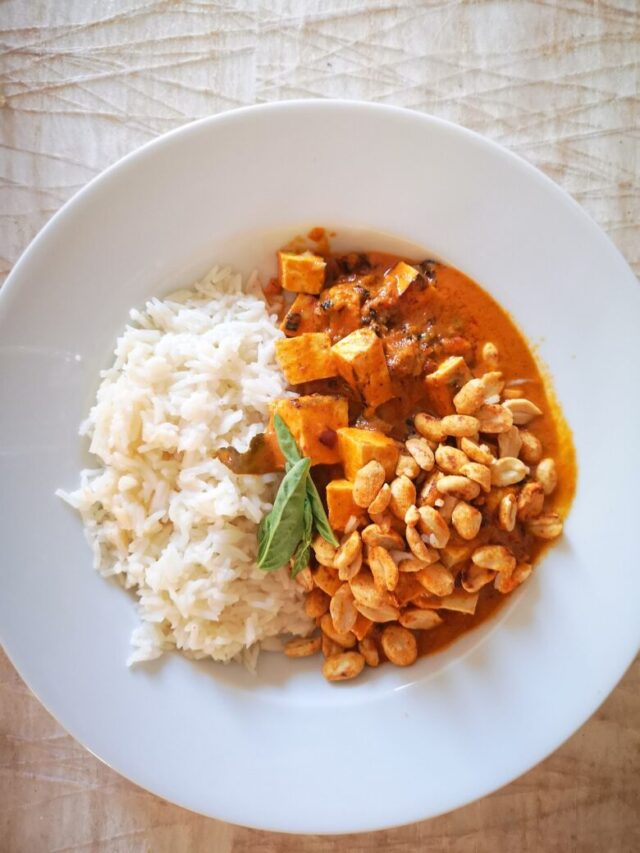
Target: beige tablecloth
[(83, 82)]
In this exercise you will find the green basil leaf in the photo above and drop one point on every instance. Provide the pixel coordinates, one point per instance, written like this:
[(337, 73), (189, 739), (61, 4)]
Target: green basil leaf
[(285, 527), (301, 559), (319, 515), (303, 553), (307, 517), (286, 441), (263, 536)]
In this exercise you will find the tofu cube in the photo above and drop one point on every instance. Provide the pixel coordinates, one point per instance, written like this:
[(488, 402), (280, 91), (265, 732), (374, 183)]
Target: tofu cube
[(306, 357), (301, 273), (301, 316), (360, 361), (444, 383), (359, 446), (340, 504), (314, 421), (402, 274), (340, 305)]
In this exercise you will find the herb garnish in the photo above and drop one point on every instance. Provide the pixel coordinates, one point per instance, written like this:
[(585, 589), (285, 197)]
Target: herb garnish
[(287, 531)]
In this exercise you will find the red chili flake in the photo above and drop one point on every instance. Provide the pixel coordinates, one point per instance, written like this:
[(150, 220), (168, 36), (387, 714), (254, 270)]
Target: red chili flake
[(328, 437)]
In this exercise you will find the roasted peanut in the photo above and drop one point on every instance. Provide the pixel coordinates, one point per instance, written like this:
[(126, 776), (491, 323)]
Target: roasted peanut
[(508, 471), (450, 459), (384, 520), (316, 603), (383, 613), (507, 583), (470, 397), (326, 579), (446, 506), (530, 501), (352, 524), (507, 512), (399, 645), (434, 526), (383, 568), (460, 487), (531, 450), (547, 526), (302, 647), (304, 579), (325, 552), (509, 442), (429, 493), (494, 557), (492, 383), (494, 418), (511, 393), (342, 610), (381, 500), (421, 452), (522, 410), (345, 573), (420, 620), (407, 465), (476, 452), (490, 354), (347, 639), (460, 425), (474, 577), (480, 474), (417, 546), (466, 520), (368, 648), (412, 516), (546, 475), (366, 592), (373, 535), (429, 427), (329, 647), (343, 666), (412, 565), (403, 495), (436, 579), (367, 483), (350, 549)]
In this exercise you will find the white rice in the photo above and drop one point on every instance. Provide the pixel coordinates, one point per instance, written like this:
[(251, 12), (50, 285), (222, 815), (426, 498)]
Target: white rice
[(192, 373)]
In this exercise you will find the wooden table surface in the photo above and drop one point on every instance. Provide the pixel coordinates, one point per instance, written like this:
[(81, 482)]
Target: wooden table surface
[(83, 82)]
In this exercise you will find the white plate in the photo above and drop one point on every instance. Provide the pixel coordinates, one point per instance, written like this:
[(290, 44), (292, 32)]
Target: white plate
[(286, 750)]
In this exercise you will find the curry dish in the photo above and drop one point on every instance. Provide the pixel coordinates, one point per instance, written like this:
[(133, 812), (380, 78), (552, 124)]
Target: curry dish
[(443, 461)]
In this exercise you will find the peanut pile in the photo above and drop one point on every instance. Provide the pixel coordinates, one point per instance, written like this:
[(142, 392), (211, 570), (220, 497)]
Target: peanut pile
[(469, 494)]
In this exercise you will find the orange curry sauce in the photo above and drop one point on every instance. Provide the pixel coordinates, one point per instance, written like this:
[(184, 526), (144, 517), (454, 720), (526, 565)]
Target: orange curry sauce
[(443, 313)]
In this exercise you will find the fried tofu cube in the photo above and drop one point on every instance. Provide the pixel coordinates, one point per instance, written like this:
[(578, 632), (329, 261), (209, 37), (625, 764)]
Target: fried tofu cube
[(360, 361), (340, 304), (301, 316), (314, 421), (402, 274), (340, 504), (359, 446), (445, 382), (306, 357), (301, 273)]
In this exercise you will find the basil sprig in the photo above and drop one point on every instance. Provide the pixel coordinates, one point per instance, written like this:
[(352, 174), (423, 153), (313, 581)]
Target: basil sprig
[(287, 531)]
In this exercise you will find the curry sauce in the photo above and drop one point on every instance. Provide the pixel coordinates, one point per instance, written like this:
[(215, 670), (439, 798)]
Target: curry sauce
[(376, 330)]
